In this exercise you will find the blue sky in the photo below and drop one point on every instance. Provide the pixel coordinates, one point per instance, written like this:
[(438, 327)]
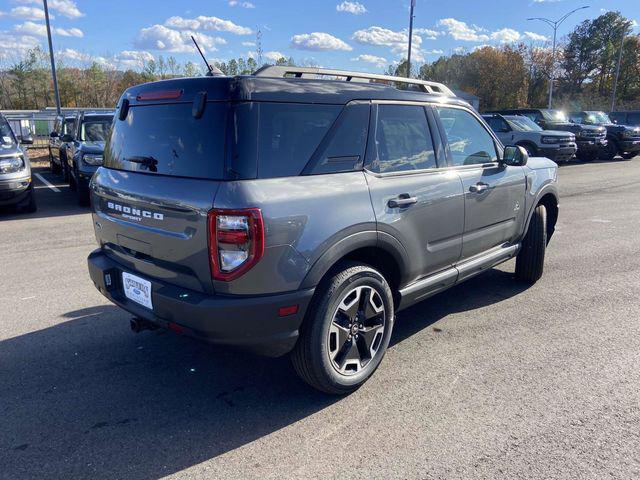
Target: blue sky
[(360, 35)]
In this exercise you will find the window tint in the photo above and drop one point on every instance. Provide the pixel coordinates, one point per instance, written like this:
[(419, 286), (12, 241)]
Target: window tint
[(618, 117), (575, 117), (167, 139), (289, 134), (469, 141), (497, 124), (344, 150), (633, 119), (402, 140), (69, 126)]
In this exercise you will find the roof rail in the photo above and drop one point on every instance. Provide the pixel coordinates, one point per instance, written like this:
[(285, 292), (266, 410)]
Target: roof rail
[(315, 72)]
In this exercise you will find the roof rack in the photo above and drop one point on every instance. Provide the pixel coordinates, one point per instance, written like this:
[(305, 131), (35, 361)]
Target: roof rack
[(314, 72)]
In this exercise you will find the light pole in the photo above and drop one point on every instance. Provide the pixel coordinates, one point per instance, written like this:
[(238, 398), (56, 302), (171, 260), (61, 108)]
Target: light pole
[(53, 62), (555, 24), (413, 4)]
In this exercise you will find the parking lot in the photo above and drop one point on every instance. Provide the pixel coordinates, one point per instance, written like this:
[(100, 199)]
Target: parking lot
[(488, 380)]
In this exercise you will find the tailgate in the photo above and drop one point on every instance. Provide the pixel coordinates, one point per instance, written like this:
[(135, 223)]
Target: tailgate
[(155, 225)]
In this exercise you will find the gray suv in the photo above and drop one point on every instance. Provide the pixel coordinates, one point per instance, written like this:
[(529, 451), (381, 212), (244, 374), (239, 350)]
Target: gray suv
[(299, 209)]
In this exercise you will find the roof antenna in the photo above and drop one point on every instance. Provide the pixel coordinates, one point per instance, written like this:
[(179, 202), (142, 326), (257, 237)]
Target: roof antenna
[(213, 71)]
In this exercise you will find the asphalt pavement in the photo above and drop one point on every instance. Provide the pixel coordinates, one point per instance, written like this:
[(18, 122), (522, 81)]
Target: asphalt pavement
[(488, 380)]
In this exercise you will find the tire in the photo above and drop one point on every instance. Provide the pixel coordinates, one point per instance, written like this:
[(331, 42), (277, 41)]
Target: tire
[(610, 151), (83, 194), (334, 354), (629, 155), (30, 206), (532, 151), (73, 186), (52, 165), (530, 259), (65, 169)]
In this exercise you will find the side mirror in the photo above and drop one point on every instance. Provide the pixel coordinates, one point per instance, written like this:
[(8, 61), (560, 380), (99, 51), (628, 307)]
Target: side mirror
[(27, 140), (53, 134), (515, 156)]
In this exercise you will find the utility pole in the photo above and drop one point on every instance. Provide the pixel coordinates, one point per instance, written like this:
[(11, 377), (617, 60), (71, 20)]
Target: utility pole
[(259, 46), (53, 61), (615, 83), (413, 4), (555, 24)]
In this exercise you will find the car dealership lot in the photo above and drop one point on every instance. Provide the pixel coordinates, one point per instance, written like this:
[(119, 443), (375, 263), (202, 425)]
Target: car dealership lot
[(486, 380)]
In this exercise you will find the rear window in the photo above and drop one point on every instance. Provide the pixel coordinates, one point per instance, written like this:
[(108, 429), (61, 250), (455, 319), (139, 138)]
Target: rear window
[(95, 129), (167, 139)]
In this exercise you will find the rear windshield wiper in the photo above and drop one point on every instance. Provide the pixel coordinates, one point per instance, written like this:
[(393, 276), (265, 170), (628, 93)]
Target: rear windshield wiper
[(149, 162)]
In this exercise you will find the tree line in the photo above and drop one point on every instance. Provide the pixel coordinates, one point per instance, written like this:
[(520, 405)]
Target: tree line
[(515, 75)]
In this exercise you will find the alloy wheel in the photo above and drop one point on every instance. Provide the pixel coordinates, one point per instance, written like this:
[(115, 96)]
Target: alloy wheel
[(356, 330)]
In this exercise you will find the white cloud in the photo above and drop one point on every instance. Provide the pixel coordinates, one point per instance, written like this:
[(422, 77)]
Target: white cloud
[(40, 30), (274, 56), (134, 59), (236, 3), (14, 45), (461, 31), (159, 37), (207, 24), (536, 37), (318, 41), (427, 33), (69, 32), (355, 8), (248, 44), (398, 41), (506, 35), (435, 51), (74, 55), (28, 13), (378, 61), (67, 8), (479, 47)]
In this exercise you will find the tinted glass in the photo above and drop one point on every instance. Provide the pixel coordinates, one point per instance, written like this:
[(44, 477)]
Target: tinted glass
[(95, 129), (524, 124), (167, 139), (289, 134), (69, 126), (555, 116), (575, 117), (402, 140), (344, 150), (618, 117), (497, 124), (633, 119), (6, 134), (469, 141)]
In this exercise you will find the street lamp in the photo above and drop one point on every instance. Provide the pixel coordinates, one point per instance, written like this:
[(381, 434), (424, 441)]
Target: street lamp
[(555, 24), (413, 4), (53, 62)]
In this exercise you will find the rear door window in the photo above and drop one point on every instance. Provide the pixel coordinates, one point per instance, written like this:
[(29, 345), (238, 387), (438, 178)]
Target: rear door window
[(633, 119), (289, 134), (402, 140), (167, 139)]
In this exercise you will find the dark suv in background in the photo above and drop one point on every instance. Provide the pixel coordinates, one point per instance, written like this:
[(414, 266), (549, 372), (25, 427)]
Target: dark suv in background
[(622, 140), (298, 209), (590, 139), (85, 150), (59, 138), (630, 118)]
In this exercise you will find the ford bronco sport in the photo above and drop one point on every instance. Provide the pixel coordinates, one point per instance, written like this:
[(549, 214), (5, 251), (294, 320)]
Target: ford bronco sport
[(621, 139), (299, 209), (16, 185)]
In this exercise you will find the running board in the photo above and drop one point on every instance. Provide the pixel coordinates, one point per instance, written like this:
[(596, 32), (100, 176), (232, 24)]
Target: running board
[(440, 281)]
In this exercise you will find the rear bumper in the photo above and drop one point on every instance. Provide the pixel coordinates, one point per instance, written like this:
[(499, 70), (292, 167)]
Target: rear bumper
[(251, 322), (15, 191), (559, 153)]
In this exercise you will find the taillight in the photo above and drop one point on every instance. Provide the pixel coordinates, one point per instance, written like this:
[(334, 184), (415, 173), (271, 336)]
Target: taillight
[(236, 241)]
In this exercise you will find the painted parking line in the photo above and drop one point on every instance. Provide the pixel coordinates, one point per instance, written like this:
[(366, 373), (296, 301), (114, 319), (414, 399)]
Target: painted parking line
[(46, 182)]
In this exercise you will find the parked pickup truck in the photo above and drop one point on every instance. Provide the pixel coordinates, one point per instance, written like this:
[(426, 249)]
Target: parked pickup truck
[(556, 145), (590, 139), (621, 139), (297, 210)]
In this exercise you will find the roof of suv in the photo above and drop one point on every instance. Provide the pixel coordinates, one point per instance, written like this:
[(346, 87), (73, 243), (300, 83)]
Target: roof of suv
[(277, 89)]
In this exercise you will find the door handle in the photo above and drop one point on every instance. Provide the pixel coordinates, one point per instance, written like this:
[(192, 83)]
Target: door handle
[(403, 200), (479, 187)]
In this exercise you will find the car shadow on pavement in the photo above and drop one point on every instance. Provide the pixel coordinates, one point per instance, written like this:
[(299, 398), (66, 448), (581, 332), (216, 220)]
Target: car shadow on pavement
[(86, 398)]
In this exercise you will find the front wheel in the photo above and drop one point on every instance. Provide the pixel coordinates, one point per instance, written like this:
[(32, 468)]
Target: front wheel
[(609, 151), (629, 155), (530, 259), (346, 331)]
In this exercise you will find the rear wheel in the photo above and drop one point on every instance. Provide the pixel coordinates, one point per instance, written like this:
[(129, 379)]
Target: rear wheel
[(73, 184), (347, 330), (53, 166), (629, 155), (530, 259), (609, 151)]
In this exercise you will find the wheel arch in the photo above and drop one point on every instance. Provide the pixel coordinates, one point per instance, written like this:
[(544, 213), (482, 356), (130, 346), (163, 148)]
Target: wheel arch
[(376, 249), (531, 144), (549, 198)]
